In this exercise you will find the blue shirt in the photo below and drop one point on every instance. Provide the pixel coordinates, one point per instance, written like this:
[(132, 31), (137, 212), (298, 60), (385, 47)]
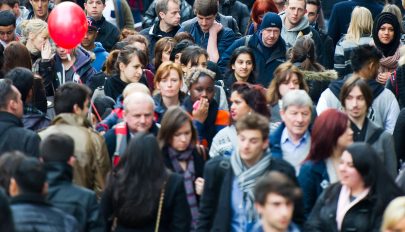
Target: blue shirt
[(239, 221), (293, 153)]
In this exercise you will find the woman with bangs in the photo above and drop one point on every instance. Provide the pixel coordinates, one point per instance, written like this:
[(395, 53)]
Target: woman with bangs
[(245, 99), (168, 81), (358, 33), (178, 140), (259, 8), (330, 135), (163, 48), (285, 78)]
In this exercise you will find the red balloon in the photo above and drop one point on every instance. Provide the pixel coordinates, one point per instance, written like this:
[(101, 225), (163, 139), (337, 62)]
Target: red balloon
[(67, 25)]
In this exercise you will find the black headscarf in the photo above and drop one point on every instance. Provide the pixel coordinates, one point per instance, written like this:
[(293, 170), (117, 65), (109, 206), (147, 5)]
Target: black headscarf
[(391, 48)]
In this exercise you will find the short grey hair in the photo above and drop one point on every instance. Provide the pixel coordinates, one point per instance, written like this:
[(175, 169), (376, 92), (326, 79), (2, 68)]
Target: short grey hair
[(138, 97), (163, 6), (297, 97)]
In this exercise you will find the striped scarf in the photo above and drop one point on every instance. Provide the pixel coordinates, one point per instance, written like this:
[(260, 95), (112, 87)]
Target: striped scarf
[(247, 178), (189, 178)]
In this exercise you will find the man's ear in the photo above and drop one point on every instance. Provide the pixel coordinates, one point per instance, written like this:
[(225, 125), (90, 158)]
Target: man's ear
[(13, 187), (259, 208), (76, 109), (282, 114), (161, 14), (71, 161)]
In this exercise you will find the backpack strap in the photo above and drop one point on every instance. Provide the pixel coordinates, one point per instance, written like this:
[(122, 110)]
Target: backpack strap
[(201, 151), (374, 137), (121, 132)]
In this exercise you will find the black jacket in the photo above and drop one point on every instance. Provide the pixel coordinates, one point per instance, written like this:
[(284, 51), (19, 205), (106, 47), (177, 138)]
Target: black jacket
[(32, 213), (215, 207), (362, 217), (238, 11), (175, 216), (108, 33), (72, 199), (13, 136)]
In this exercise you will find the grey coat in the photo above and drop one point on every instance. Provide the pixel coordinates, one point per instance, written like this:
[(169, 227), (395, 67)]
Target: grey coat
[(384, 147)]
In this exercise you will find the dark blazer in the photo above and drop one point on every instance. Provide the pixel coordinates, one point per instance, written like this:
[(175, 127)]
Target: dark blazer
[(313, 179), (362, 217), (175, 217), (215, 207)]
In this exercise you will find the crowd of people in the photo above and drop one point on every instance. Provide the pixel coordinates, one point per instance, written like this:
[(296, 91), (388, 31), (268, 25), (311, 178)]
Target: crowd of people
[(204, 115)]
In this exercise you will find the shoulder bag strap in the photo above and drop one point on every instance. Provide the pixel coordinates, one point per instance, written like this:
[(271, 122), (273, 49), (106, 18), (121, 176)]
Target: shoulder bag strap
[(159, 214)]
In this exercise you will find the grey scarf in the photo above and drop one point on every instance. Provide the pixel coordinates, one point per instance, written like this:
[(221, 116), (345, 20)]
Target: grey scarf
[(247, 178)]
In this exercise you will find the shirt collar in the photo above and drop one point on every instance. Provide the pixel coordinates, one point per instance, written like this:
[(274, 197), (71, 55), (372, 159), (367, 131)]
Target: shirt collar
[(285, 137)]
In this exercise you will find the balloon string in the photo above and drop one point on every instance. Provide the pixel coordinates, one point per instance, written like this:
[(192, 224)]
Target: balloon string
[(68, 56)]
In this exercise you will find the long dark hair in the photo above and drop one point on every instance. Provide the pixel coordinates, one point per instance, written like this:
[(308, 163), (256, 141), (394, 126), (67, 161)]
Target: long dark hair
[(137, 180), (235, 55), (382, 186)]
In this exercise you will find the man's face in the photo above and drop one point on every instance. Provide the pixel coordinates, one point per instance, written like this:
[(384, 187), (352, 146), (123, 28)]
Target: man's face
[(139, 116), (205, 22), (172, 16), (296, 119), (270, 36), (251, 146), (89, 38), (312, 13), (40, 8), (94, 8), (355, 104), (295, 11), (7, 33), (17, 104), (276, 212)]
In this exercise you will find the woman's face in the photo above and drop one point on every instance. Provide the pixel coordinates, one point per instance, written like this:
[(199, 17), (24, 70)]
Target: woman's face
[(39, 40), (203, 88), (140, 46), (243, 66), (166, 55), (290, 84), (239, 107), (386, 33), (349, 176), (132, 72), (170, 85), (346, 138), (201, 63), (182, 137)]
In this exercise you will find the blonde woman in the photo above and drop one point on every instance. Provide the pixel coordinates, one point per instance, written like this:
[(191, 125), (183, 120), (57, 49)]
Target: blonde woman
[(34, 35), (358, 33), (394, 216)]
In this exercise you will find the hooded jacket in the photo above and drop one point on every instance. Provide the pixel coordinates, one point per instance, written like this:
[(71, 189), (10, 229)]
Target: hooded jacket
[(101, 55), (303, 28), (318, 82), (80, 72), (93, 163), (77, 201), (384, 110)]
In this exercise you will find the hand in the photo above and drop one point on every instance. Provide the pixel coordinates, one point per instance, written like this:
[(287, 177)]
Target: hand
[(383, 77), (199, 185), (201, 113), (215, 28), (46, 52)]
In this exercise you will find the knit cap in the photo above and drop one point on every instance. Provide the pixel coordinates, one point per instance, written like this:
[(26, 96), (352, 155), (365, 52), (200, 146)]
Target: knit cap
[(271, 19)]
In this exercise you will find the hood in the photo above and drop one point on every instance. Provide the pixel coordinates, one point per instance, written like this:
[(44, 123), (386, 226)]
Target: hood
[(327, 75), (98, 48), (58, 172), (82, 57), (301, 26), (336, 86), (71, 119)]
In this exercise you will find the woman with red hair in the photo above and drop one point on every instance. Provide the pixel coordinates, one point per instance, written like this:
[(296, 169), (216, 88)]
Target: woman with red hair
[(331, 134), (259, 8)]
